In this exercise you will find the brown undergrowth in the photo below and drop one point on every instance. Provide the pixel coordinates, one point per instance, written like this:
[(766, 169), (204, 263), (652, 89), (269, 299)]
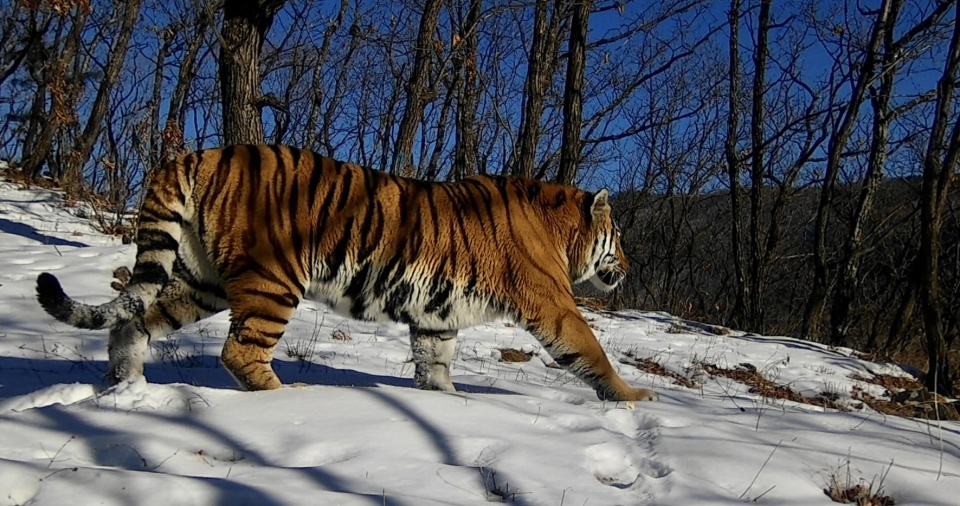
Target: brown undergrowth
[(512, 355), (651, 366), (908, 397), (843, 488), (744, 373), (760, 385)]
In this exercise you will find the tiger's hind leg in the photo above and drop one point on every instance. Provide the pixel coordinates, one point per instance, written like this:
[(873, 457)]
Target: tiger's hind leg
[(259, 312), (432, 353), (177, 305)]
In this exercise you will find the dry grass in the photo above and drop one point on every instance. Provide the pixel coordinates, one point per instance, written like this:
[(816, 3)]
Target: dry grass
[(760, 385), (908, 398), (596, 304), (882, 406), (842, 488), (340, 335), (892, 383), (649, 365), (512, 355)]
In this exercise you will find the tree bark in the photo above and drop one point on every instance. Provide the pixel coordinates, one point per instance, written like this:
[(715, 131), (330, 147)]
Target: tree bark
[(939, 166), (540, 64), (416, 90), (738, 311), (757, 169), (468, 96), (245, 26), (573, 93)]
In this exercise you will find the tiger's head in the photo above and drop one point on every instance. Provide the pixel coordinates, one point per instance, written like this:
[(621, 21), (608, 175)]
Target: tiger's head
[(604, 262)]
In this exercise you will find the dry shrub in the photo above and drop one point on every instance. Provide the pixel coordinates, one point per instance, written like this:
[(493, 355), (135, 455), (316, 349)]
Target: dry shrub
[(891, 383), (512, 355), (339, 335), (651, 366), (760, 385), (843, 489)]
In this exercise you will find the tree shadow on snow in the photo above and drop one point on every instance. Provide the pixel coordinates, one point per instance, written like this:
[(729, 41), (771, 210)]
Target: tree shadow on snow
[(115, 449), (21, 375), (23, 230)]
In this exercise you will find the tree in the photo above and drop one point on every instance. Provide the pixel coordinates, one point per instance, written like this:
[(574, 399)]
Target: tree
[(862, 75), (541, 65), (738, 311), (573, 93), (245, 26), (939, 169), (111, 74), (57, 82), (417, 90), (468, 94), (757, 171)]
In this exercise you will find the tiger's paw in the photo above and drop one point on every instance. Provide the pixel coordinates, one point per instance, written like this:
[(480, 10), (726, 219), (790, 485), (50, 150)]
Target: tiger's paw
[(642, 394), (632, 394)]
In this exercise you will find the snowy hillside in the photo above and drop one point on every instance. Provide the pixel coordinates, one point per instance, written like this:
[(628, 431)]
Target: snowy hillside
[(518, 432)]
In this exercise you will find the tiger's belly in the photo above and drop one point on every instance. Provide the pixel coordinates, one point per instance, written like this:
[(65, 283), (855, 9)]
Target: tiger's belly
[(436, 304)]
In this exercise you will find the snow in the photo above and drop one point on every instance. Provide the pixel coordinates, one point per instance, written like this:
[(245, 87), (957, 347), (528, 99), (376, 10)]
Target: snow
[(359, 433)]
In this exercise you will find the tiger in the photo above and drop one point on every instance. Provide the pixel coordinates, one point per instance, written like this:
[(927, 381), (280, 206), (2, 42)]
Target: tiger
[(255, 229)]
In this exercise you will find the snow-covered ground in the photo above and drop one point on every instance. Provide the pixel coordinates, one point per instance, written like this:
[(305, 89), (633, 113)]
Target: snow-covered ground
[(361, 434)]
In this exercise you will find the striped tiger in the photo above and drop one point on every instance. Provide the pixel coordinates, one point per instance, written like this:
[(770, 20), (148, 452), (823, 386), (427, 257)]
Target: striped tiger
[(256, 229)]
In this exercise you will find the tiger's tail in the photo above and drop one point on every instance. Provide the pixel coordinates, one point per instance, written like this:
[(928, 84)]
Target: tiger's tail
[(158, 239)]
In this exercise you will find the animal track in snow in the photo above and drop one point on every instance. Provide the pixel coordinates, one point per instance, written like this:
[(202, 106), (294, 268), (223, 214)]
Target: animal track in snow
[(316, 454), (621, 463), (613, 466), (628, 422)]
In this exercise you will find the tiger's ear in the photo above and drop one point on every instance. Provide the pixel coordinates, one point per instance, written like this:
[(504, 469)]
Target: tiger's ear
[(600, 206)]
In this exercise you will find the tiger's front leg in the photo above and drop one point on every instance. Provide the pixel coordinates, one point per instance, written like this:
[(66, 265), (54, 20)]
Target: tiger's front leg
[(565, 334), (432, 353)]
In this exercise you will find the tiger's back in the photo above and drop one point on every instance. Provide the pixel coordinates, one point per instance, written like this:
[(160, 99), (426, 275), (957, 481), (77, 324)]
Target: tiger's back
[(256, 229)]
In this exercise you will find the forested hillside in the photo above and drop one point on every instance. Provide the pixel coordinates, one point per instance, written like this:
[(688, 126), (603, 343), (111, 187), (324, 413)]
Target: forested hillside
[(785, 167)]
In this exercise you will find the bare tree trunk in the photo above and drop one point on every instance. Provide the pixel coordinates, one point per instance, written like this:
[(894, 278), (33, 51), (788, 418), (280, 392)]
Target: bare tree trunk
[(573, 93), (733, 170), (433, 164), (154, 147), (173, 143), (465, 72), (56, 80), (84, 145), (939, 165), (317, 89), (416, 90), (838, 142), (757, 169), (540, 65), (245, 25), (32, 44), (848, 277)]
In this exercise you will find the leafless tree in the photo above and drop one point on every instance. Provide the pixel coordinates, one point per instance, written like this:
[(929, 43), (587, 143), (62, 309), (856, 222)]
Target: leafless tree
[(939, 171), (245, 26), (417, 91)]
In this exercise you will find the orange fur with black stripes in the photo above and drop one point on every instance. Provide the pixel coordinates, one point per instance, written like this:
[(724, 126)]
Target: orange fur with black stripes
[(256, 229)]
